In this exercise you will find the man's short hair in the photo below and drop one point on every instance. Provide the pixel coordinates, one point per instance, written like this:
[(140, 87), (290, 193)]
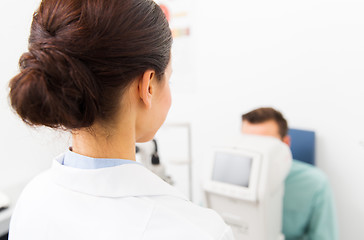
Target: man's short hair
[(265, 114)]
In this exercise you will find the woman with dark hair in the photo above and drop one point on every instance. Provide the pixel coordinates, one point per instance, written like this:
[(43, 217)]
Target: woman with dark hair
[(100, 69)]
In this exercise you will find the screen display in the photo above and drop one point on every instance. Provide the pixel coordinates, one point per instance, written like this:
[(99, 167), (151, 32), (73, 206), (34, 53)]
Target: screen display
[(232, 168)]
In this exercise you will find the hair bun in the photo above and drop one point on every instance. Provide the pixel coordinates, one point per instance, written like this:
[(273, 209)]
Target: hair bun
[(54, 89), (84, 55)]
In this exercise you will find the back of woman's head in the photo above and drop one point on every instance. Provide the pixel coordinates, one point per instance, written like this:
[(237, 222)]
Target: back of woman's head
[(83, 55)]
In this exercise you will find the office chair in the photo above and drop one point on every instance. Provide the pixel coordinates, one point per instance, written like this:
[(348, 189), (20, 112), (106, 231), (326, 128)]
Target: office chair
[(303, 145)]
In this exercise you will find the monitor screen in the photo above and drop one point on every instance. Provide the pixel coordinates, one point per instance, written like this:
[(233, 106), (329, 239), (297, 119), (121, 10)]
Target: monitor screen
[(232, 168)]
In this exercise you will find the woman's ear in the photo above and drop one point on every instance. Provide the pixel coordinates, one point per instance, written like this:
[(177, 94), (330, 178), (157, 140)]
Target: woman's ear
[(145, 88)]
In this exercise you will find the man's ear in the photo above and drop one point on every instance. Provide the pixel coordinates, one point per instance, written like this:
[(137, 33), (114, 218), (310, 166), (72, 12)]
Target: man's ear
[(287, 140), (145, 88)]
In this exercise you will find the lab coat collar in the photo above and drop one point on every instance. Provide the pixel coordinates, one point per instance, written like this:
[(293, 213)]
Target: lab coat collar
[(127, 180)]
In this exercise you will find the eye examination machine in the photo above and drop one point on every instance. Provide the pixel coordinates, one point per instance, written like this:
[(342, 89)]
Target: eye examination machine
[(245, 185)]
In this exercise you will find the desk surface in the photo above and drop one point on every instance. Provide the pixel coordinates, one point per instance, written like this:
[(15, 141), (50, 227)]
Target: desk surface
[(13, 192)]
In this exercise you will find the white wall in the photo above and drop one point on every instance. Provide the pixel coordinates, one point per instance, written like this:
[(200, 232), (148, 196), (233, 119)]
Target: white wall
[(305, 58)]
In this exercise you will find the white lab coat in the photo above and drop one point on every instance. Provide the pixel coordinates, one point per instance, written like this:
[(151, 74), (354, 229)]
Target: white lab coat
[(123, 202)]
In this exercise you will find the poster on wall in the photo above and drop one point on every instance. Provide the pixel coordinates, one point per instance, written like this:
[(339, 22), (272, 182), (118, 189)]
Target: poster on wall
[(179, 15)]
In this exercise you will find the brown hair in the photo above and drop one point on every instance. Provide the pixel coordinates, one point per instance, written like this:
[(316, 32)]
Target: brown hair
[(83, 55), (262, 115)]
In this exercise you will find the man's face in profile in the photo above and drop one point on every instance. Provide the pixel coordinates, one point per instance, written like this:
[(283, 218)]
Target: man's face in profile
[(267, 128)]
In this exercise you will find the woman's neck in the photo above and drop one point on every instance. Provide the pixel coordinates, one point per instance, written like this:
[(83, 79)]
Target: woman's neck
[(98, 143)]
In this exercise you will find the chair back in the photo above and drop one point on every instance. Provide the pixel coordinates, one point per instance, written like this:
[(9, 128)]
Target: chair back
[(303, 145)]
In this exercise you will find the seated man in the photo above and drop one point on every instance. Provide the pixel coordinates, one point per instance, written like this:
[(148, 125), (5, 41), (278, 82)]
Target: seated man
[(308, 209)]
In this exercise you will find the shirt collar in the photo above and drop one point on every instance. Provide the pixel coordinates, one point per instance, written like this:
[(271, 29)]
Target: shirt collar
[(72, 159), (127, 180)]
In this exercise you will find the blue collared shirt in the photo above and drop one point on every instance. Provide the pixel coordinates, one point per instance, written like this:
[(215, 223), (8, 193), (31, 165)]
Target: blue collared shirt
[(75, 160)]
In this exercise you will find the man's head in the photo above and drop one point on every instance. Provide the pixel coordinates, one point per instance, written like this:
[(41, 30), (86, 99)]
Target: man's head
[(266, 122)]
